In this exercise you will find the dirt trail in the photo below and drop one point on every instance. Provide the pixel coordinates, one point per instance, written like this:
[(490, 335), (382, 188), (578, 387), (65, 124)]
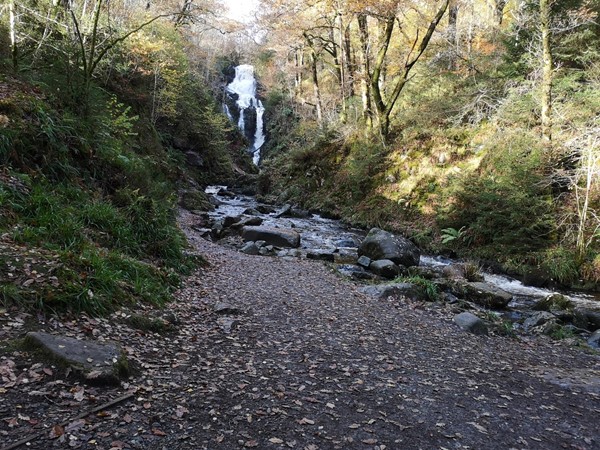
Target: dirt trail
[(311, 363)]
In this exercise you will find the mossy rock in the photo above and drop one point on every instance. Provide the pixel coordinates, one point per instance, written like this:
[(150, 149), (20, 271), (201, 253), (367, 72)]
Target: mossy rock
[(195, 200), (96, 362), (554, 302)]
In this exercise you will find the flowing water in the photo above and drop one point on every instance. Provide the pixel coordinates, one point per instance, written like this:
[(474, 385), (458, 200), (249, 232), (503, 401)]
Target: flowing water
[(244, 86), (321, 234)]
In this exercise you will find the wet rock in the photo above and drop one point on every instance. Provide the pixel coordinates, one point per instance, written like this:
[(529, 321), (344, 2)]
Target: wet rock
[(385, 268), (537, 319), (454, 271), (284, 211), (355, 272), (251, 212), (230, 220), (471, 323), (265, 209), (594, 339), (429, 273), (380, 244), (274, 236), (226, 193), (214, 201), (223, 308), (346, 243), (99, 362), (553, 302), (536, 277), (364, 261), (586, 319), (217, 230), (321, 255), (247, 222), (483, 294), (396, 290), (250, 248)]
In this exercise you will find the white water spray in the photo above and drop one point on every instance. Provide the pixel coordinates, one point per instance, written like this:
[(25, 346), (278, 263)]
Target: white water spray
[(244, 85)]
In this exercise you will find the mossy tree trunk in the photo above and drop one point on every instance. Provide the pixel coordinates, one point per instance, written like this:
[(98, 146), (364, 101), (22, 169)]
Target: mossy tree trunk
[(545, 20)]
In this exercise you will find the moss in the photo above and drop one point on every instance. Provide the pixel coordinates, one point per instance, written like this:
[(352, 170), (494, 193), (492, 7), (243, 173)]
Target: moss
[(152, 324)]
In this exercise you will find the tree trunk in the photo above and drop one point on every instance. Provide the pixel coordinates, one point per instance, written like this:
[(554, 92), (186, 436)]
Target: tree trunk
[(14, 49), (453, 35), (384, 108), (365, 83), (350, 63), (342, 63), (545, 18), (499, 11), (315, 79)]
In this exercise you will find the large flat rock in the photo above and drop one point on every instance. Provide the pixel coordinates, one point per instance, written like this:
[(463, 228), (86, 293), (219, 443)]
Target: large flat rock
[(96, 361), (280, 237)]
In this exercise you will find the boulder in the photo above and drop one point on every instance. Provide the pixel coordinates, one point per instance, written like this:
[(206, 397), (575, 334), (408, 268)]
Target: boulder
[(250, 248), (101, 362), (230, 220), (380, 244), (396, 290), (587, 319), (483, 294), (385, 268), (321, 255), (265, 209), (553, 302), (537, 319), (251, 212), (454, 271), (346, 243), (364, 261), (354, 272), (471, 323), (274, 236), (594, 339), (247, 222)]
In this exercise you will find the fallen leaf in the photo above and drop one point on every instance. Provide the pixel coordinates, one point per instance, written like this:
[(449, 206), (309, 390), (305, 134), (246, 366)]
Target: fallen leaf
[(157, 432)]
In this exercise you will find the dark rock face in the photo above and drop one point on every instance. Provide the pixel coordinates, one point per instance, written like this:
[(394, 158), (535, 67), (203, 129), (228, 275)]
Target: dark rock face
[(553, 302), (380, 244), (274, 236), (471, 323), (594, 339)]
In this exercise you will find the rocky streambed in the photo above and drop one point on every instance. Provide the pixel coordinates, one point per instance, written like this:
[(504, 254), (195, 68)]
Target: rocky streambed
[(392, 266)]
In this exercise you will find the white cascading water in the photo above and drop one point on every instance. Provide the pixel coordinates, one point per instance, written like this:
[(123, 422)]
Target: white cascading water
[(244, 85)]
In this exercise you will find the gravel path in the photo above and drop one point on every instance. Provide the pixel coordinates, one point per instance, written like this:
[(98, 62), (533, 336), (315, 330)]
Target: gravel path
[(309, 363), (313, 364)]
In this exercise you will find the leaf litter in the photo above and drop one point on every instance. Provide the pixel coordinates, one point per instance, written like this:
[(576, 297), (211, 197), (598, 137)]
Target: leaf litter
[(313, 364)]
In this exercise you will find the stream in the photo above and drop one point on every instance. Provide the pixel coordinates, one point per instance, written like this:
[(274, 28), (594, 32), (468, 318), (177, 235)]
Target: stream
[(322, 235)]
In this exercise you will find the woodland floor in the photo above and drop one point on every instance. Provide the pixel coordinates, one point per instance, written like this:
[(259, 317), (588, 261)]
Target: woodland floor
[(312, 364)]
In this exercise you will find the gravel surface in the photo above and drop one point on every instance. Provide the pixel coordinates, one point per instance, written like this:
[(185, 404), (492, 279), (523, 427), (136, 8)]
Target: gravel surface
[(297, 358)]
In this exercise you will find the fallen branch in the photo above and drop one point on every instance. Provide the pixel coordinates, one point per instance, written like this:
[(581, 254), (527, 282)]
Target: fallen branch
[(66, 422)]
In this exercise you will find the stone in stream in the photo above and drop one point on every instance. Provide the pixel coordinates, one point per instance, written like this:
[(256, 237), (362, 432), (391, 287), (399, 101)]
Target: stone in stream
[(538, 319), (247, 221), (230, 220), (380, 244), (364, 261), (471, 323), (321, 255), (553, 302), (385, 268), (251, 212), (274, 236), (586, 319), (483, 294), (99, 362)]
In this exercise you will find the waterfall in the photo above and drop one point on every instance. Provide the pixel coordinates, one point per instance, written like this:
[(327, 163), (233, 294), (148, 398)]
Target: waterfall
[(243, 90)]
